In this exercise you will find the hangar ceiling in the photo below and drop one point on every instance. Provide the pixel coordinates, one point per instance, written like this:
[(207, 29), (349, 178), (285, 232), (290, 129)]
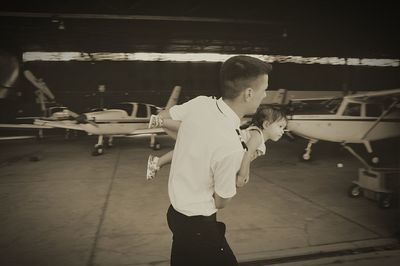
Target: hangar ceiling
[(307, 28)]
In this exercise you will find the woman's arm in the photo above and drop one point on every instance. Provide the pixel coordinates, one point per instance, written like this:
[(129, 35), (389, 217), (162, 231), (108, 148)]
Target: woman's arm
[(249, 155), (170, 126)]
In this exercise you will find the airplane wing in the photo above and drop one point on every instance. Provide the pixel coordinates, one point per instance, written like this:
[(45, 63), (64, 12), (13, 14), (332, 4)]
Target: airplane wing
[(24, 126), (148, 131), (374, 95), (71, 124), (67, 124), (17, 137)]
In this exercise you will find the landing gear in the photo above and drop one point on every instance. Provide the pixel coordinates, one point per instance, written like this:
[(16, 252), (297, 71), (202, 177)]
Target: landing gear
[(153, 143), (372, 157), (157, 146), (307, 155), (40, 134), (98, 148), (109, 142)]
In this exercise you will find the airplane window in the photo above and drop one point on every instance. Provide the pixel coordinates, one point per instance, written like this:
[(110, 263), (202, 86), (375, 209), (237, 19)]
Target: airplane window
[(333, 105), (127, 107), (374, 110), (141, 111), (353, 109), (314, 106)]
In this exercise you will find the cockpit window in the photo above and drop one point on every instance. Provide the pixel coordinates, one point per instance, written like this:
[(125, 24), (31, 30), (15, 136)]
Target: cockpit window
[(352, 109), (153, 110), (314, 107), (141, 111), (374, 110), (127, 107)]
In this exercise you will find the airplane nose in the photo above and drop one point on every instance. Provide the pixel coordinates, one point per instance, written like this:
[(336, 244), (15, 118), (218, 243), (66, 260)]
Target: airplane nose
[(82, 118)]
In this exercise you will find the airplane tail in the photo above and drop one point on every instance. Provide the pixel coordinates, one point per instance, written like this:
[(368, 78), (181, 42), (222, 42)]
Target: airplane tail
[(173, 99)]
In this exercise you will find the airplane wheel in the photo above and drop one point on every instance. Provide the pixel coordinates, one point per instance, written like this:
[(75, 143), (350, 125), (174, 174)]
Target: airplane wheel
[(375, 160), (305, 157), (354, 191), (157, 146), (109, 145), (385, 201), (98, 150)]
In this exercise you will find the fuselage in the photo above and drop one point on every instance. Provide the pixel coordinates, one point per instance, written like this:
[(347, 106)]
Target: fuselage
[(343, 120), (122, 121), (343, 128)]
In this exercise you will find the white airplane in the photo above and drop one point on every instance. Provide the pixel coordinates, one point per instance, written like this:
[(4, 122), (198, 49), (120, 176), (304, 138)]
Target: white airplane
[(124, 119), (357, 118)]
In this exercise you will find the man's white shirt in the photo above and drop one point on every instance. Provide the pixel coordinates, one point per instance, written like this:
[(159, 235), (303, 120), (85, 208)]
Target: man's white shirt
[(207, 155)]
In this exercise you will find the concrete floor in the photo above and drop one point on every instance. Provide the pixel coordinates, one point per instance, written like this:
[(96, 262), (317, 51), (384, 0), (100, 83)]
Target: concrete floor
[(70, 208)]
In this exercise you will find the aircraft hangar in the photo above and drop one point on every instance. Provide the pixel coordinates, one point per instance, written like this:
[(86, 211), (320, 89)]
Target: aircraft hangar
[(60, 205)]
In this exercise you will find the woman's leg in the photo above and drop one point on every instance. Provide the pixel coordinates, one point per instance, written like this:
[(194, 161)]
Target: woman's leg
[(165, 159)]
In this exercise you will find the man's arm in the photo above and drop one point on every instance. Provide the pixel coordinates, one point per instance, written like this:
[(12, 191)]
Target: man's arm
[(221, 203), (224, 170)]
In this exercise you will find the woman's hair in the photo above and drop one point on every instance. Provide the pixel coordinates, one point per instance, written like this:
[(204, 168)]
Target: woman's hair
[(270, 113)]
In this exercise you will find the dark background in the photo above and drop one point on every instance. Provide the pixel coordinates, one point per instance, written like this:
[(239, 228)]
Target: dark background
[(348, 29)]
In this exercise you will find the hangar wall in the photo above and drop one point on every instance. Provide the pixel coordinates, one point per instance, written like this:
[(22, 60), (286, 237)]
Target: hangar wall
[(75, 84)]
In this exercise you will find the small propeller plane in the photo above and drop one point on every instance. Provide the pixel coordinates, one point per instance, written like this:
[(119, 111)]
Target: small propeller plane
[(124, 119), (356, 118)]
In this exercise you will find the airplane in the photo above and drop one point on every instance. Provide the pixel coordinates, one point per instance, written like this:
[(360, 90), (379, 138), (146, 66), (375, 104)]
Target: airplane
[(284, 96), (356, 118), (123, 119), (48, 107)]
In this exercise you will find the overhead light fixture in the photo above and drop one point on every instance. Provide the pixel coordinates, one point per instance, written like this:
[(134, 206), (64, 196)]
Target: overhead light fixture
[(204, 57)]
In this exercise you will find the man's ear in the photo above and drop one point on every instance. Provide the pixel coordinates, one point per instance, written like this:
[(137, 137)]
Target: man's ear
[(248, 94), (265, 124)]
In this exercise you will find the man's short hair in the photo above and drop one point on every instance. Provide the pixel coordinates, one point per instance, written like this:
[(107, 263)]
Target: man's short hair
[(238, 72)]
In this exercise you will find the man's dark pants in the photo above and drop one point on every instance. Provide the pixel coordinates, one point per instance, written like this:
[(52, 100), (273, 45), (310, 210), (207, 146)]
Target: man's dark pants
[(198, 241)]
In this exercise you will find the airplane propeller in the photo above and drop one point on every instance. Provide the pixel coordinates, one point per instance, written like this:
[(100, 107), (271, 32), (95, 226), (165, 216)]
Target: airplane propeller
[(81, 118)]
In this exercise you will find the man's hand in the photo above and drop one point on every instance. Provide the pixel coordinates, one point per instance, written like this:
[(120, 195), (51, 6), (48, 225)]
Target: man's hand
[(242, 180)]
